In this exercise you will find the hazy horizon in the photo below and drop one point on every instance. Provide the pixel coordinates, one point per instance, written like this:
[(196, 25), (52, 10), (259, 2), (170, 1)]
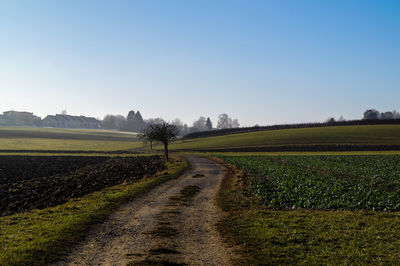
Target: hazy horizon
[(263, 62)]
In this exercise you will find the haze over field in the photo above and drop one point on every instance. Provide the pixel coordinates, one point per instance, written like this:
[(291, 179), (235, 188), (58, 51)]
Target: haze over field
[(263, 62)]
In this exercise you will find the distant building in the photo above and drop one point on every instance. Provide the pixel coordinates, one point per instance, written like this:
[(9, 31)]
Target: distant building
[(69, 121), (15, 118)]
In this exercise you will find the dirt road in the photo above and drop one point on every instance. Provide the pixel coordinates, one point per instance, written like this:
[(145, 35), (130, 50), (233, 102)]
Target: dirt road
[(174, 224)]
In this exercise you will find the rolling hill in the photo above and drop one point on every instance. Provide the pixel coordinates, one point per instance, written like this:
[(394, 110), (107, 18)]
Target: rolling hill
[(362, 137)]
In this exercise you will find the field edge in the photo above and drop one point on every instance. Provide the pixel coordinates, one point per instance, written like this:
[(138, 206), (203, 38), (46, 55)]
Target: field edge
[(42, 236), (305, 237)]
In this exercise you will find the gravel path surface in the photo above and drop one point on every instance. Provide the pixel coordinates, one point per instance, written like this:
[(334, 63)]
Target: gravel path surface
[(174, 224)]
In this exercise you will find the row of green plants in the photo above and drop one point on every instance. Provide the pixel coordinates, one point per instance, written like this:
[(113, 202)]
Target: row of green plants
[(323, 182)]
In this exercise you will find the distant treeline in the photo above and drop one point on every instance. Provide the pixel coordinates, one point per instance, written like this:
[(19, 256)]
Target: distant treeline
[(229, 131), (135, 122)]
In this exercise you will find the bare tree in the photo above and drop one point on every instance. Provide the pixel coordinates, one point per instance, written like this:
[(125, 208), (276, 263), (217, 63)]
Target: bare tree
[(235, 123), (330, 120), (152, 121), (396, 114), (179, 124), (146, 137), (200, 124), (162, 132), (224, 121), (113, 121), (388, 115)]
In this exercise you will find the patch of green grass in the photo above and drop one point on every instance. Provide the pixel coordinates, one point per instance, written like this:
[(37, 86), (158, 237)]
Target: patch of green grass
[(56, 139), (66, 144), (71, 131), (360, 135), (41, 236), (317, 237)]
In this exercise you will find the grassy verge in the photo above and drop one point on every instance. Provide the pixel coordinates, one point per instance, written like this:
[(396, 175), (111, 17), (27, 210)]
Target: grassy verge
[(317, 237), (41, 236), (271, 237)]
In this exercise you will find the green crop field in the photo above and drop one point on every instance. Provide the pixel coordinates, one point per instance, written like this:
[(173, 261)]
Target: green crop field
[(324, 182), (354, 135), (317, 209)]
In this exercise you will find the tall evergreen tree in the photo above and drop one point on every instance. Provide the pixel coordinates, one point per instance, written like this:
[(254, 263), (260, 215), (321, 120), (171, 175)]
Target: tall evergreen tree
[(138, 123), (131, 115), (209, 124), (138, 117)]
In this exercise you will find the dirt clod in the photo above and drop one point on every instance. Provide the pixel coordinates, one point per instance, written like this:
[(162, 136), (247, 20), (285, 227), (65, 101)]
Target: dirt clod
[(158, 251), (155, 263), (163, 231)]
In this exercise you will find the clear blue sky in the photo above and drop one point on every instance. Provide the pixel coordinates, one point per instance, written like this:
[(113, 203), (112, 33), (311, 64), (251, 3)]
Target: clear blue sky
[(264, 62)]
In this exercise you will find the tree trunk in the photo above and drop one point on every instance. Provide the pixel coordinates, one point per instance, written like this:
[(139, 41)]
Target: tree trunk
[(166, 151)]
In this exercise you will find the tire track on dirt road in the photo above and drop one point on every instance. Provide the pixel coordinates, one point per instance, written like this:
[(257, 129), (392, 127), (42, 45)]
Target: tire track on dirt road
[(174, 224)]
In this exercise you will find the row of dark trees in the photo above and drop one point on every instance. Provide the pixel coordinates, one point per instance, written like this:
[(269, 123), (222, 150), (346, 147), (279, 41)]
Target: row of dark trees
[(370, 114), (373, 114)]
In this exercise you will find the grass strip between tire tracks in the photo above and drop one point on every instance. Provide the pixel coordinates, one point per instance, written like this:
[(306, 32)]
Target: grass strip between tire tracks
[(41, 236)]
